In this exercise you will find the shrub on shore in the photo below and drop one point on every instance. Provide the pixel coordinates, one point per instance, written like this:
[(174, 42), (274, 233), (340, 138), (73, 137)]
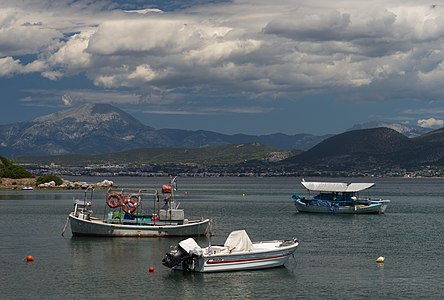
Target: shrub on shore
[(48, 178)]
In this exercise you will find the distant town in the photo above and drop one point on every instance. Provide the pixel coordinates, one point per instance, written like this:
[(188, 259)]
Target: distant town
[(247, 170)]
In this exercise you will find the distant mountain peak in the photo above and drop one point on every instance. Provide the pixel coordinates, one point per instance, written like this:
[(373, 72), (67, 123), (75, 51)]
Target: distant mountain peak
[(408, 130), (90, 113), (103, 128)]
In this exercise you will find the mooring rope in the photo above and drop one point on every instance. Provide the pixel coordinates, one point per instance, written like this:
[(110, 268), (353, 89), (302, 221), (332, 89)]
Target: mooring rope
[(66, 224)]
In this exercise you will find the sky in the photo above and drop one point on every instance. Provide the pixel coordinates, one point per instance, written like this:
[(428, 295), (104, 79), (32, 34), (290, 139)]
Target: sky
[(243, 66)]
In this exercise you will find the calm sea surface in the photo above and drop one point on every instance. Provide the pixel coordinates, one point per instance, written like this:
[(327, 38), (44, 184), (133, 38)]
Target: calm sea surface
[(335, 258)]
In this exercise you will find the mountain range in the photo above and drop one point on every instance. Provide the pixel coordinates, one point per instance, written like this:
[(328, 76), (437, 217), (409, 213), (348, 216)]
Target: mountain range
[(372, 149), (99, 129), (103, 128)]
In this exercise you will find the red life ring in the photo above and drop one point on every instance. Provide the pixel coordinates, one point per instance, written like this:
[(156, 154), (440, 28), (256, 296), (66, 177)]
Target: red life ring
[(136, 198), (114, 200), (130, 205)]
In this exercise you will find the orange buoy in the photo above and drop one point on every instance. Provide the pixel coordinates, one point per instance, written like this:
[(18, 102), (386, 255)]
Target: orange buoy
[(29, 258), (151, 269)]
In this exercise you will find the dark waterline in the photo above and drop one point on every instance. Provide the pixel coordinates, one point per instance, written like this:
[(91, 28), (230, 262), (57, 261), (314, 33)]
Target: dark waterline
[(335, 259)]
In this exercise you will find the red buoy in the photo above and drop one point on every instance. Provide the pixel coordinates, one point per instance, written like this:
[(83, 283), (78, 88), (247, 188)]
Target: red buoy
[(151, 269), (29, 258)]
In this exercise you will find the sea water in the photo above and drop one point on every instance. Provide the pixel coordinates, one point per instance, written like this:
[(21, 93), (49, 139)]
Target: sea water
[(336, 258)]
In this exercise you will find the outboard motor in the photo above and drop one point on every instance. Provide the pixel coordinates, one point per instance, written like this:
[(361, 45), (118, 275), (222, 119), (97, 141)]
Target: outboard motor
[(175, 257)]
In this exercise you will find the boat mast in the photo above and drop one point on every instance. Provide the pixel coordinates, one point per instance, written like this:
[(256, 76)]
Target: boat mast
[(91, 194), (156, 198), (173, 199)]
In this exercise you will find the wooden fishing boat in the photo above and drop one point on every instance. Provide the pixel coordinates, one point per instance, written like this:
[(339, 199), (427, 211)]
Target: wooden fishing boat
[(339, 198), (126, 215), (237, 254)]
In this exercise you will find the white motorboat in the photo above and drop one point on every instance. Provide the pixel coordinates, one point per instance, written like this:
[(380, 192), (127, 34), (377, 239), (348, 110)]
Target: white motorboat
[(238, 253), (338, 197), (126, 216)]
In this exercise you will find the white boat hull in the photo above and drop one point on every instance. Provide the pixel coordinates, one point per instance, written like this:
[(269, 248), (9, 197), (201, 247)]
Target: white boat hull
[(273, 256), (97, 227)]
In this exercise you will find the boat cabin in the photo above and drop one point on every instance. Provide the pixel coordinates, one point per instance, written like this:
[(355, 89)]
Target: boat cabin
[(336, 196)]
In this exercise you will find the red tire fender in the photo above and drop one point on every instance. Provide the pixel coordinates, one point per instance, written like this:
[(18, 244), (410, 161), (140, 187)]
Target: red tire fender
[(114, 200)]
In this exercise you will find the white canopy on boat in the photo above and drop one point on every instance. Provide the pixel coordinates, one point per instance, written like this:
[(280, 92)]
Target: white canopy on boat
[(191, 246), (238, 240), (339, 187)]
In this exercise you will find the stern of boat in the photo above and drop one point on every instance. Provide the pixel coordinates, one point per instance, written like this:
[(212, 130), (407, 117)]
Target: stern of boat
[(185, 256), (384, 204)]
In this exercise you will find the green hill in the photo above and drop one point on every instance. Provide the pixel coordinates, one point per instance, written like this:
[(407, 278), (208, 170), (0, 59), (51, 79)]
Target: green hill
[(9, 170), (226, 154)]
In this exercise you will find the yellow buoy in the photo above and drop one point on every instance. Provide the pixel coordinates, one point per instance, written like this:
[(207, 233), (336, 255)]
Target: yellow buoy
[(380, 259)]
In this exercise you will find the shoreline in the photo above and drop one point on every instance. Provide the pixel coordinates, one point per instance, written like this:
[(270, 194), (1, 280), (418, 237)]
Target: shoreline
[(17, 184), (31, 184)]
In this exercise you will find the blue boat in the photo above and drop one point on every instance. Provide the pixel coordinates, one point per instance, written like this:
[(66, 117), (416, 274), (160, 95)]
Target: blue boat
[(338, 198)]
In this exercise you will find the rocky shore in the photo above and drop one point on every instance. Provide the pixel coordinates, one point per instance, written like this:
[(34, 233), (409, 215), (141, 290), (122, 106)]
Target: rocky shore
[(31, 183), (17, 184)]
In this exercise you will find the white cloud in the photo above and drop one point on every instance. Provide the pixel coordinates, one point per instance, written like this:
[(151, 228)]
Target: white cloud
[(66, 100), (9, 66), (220, 51), (72, 54), (144, 11), (430, 123), (156, 35), (52, 75), (208, 111), (74, 97), (22, 33), (143, 73), (251, 48)]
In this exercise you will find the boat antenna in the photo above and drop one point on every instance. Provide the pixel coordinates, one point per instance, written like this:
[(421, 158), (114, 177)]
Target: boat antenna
[(84, 198), (173, 183), (92, 191), (211, 228), (172, 201), (209, 249), (156, 198)]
